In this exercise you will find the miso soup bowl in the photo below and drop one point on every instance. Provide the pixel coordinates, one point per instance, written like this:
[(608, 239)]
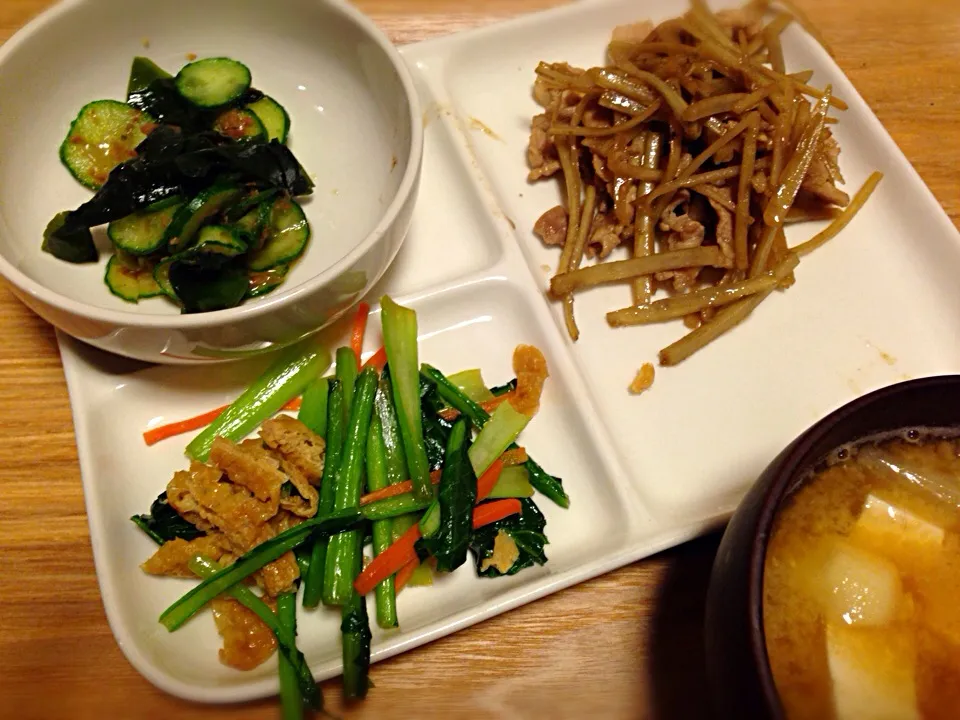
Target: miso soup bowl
[(740, 677), (355, 126)]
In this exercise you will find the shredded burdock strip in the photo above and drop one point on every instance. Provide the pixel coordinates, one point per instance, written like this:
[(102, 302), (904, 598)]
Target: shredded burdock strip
[(567, 154), (692, 147), (775, 213), (611, 272), (775, 27), (751, 101), (644, 225), (713, 105), (725, 320), (711, 176), (576, 237), (576, 256), (710, 297), (844, 218), (612, 130), (744, 189)]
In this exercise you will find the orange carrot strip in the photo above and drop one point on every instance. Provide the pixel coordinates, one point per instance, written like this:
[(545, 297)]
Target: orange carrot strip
[(489, 478), (494, 403), (377, 360), (405, 573), (396, 489), (389, 561), (401, 553), (492, 511), (162, 432), (515, 456), (359, 328), (450, 414)]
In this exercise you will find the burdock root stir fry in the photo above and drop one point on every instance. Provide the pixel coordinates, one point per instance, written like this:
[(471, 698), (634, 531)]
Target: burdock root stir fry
[(694, 148)]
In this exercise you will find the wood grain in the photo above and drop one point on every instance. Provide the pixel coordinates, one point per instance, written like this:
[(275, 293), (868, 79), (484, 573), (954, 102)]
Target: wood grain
[(627, 645)]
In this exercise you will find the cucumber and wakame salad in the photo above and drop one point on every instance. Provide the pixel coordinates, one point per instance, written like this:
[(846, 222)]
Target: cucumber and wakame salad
[(194, 182)]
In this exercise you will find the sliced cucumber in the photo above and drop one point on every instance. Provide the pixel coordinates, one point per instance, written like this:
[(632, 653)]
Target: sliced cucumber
[(123, 281), (149, 287), (239, 124), (251, 226), (263, 282), (164, 203), (213, 82), (251, 201), (216, 245), (129, 282), (189, 218), (161, 275), (254, 226), (217, 240), (144, 232), (143, 73), (287, 236), (273, 116), (104, 134)]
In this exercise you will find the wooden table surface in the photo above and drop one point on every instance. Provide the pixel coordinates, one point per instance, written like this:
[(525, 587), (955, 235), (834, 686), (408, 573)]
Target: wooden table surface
[(627, 645)]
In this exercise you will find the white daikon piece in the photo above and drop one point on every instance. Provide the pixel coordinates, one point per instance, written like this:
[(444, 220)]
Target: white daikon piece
[(859, 587), (881, 523), (872, 670)]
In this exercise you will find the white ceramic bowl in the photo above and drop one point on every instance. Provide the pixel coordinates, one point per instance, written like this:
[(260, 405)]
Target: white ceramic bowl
[(355, 126)]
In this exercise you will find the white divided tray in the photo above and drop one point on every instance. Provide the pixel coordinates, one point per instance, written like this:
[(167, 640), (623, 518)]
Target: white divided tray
[(872, 308)]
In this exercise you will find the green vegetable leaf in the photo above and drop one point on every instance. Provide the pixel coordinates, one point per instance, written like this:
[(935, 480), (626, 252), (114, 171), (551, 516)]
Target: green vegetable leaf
[(436, 430), (472, 385), (497, 434), (396, 460), (541, 480), (549, 485), (344, 557), (291, 702), (289, 374), (195, 599), (457, 495), (526, 530), (400, 342), (163, 523), (313, 408), (285, 631), (355, 628)]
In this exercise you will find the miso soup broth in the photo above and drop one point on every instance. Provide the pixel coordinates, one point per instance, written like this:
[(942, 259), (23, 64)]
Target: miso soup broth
[(861, 589)]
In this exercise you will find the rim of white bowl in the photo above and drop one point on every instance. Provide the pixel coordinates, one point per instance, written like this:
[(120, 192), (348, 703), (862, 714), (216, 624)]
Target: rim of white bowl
[(264, 305)]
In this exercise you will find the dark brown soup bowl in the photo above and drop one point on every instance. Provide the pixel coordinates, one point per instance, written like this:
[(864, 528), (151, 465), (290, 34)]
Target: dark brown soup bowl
[(740, 678)]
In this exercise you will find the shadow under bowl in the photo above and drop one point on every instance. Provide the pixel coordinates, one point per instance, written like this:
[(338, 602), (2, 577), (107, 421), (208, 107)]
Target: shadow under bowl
[(739, 672)]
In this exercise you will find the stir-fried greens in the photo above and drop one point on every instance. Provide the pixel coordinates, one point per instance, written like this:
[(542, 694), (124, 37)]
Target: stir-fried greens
[(694, 148), (194, 179), (297, 504)]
